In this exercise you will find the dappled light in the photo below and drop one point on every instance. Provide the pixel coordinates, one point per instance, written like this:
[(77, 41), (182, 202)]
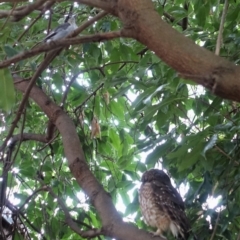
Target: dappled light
[(95, 93)]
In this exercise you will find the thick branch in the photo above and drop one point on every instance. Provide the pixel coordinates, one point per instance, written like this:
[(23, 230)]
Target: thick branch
[(112, 224), (107, 5), (144, 24)]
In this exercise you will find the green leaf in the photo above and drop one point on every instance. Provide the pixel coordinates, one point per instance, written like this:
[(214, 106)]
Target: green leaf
[(7, 92), (211, 143), (201, 15), (117, 109), (154, 118), (10, 51), (157, 153), (149, 98)]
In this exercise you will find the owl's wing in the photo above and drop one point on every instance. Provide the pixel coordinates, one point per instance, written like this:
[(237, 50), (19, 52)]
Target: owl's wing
[(170, 202), (170, 193)]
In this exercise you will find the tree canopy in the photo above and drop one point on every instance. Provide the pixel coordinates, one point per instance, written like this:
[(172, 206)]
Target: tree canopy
[(139, 84)]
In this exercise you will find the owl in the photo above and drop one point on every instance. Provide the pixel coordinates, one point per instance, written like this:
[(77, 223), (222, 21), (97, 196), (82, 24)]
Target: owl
[(161, 205)]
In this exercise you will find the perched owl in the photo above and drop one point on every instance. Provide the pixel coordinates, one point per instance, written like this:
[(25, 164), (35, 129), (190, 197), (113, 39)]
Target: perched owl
[(162, 206)]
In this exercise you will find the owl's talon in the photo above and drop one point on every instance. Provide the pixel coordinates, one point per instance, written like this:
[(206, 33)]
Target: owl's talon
[(157, 234)]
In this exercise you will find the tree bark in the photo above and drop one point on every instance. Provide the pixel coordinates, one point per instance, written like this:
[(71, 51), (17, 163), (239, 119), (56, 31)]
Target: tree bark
[(191, 61)]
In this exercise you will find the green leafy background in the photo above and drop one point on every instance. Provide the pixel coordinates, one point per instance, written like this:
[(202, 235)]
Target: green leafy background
[(153, 119)]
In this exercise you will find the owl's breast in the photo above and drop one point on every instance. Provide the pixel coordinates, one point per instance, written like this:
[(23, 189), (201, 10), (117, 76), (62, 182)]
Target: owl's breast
[(151, 213)]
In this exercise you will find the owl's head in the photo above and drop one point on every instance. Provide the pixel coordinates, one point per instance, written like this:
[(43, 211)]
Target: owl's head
[(155, 175)]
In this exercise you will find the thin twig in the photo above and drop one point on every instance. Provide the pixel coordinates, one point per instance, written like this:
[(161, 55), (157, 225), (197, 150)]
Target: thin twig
[(40, 69), (27, 29), (215, 227), (22, 11), (15, 210), (219, 39), (73, 79), (91, 95), (49, 58), (31, 196), (53, 45), (72, 224)]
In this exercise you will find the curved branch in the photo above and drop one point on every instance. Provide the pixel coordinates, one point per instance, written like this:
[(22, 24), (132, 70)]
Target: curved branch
[(71, 223), (23, 11), (16, 211), (25, 137), (112, 224), (143, 23), (43, 66)]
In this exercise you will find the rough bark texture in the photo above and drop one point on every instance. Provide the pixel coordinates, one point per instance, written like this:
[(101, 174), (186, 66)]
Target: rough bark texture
[(181, 53)]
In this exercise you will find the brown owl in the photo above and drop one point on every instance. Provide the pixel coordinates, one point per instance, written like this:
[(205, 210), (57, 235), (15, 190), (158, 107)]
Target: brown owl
[(162, 206)]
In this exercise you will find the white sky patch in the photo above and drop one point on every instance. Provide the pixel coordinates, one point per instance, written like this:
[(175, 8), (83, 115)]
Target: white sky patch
[(131, 95), (81, 80), (208, 218), (143, 155), (75, 4), (15, 170), (120, 205), (149, 73), (212, 202), (69, 201), (197, 90), (191, 114), (82, 198), (201, 43), (183, 189), (179, 139), (63, 88), (56, 211), (115, 121), (130, 217)]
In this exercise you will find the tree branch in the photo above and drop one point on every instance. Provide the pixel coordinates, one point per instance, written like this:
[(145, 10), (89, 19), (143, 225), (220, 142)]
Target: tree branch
[(107, 5), (72, 224), (23, 11), (144, 24), (16, 211), (219, 39), (60, 44), (88, 23), (112, 224)]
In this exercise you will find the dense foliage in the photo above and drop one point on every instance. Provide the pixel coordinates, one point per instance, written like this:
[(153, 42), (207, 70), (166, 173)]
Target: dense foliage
[(148, 115)]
